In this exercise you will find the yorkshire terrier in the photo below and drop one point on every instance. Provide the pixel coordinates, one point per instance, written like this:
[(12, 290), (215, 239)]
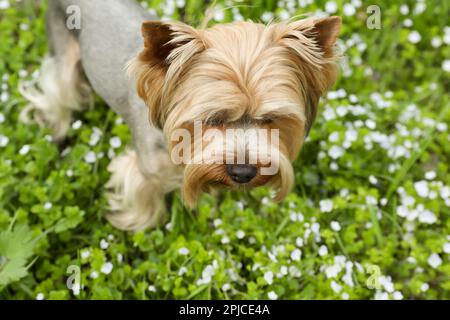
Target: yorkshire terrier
[(186, 83)]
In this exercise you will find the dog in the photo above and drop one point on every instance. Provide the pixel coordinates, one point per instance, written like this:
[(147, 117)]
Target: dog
[(237, 76)]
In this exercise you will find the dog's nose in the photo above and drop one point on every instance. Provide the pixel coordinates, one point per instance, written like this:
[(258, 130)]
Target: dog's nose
[(241, 173)]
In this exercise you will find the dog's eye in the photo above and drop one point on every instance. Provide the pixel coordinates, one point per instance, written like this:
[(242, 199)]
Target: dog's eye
[(215, 122), (267, 120)]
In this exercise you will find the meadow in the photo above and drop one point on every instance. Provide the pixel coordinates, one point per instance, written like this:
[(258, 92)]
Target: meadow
[(369, 217)]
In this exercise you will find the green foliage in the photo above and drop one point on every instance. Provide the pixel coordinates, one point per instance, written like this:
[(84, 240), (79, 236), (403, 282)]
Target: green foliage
[(16, 247), (369, 216)]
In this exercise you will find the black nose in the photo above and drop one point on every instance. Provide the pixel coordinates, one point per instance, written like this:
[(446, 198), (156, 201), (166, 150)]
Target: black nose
[(241, 173)]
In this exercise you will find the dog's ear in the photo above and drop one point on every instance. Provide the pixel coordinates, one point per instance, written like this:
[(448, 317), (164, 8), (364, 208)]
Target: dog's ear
[(325, 32), (312, 44), (157, 47), (168, 46)]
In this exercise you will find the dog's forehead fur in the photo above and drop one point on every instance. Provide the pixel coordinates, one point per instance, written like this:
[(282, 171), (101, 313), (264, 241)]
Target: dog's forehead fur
[(241, 72), (236, 70)]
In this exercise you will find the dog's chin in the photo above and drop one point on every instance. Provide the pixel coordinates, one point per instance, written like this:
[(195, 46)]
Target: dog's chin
[(199, 178)]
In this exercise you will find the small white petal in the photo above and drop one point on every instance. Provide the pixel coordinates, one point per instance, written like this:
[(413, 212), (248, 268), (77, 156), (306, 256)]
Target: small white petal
[(24, 150), (397, 295), (434, 260), (447, 247), (323, 250), (240, 234), (226, 287), (425, 286), (422, 188), (4, 140), (106, 268), (414, 37), (272, 295), (104, 244), (115, 142), (335, 226), (446, 65), (77, 125), (296, 255), (268, 276), (183, 251), (326, 205), (90, 157)]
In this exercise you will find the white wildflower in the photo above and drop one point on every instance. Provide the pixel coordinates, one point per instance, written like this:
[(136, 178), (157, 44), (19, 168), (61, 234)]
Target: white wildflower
[(414, 37), (373, 179), (268, 276), (422, 188), (296, 255), (323, 250), (326, 205), (76, 289), (240, 234), (104, 244), (446, 65), (106, 268), (272, 295), (434, 260), (182, 271), (226, 287), (436, 42), (397, 295), (4, 140), (427, 216), (90, 157), (77, 125), (24, 150), (335, 286), (430, 175), (371, 200), (379, 295), (349, 9), (331, 7), (335, 226), (294, 272), (115, 142), (408, 23), (446, 247), (85, 254), (404, 9), (371, 124), (335, 152), (217, 222)]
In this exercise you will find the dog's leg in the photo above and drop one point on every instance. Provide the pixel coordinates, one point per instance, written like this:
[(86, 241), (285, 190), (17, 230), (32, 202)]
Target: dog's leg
[(60, 88), (141, 177), (136, 199)]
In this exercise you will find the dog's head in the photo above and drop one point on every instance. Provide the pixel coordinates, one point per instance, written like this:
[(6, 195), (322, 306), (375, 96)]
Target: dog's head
[(236, 101)]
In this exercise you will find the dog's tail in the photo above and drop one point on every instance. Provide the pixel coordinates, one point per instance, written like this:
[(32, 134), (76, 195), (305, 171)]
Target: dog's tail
[(58, 91)]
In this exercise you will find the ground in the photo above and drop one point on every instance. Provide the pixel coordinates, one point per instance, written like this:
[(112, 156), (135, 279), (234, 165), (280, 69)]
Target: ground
[(369, 217)]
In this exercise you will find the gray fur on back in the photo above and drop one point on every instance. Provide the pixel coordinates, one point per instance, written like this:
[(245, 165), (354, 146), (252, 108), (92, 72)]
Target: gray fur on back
[(109, 38)]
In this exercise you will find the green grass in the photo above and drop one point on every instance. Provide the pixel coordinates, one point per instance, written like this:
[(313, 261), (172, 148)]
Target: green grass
[(376, 206)]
